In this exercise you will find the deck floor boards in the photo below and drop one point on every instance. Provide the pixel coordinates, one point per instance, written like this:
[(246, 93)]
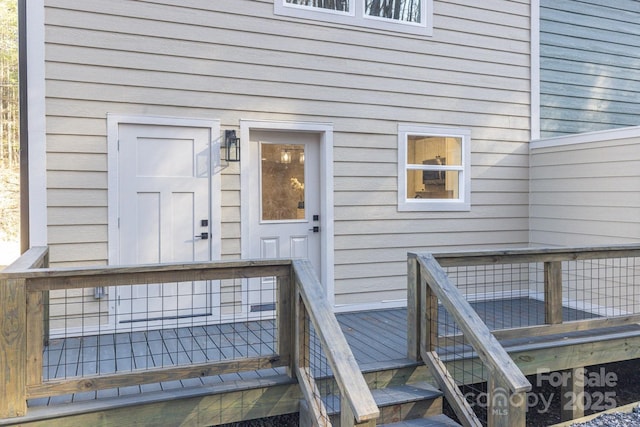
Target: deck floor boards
[(378, 336)]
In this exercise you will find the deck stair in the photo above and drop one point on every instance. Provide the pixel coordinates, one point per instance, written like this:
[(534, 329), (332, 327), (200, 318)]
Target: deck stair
[(418, 404)]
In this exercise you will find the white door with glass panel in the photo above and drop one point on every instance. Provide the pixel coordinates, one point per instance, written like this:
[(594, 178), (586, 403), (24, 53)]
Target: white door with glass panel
[(164, 216), (285, 205)]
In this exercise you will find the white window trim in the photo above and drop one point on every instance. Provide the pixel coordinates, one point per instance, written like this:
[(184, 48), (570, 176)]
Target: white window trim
[(463, 203), (357, 17)]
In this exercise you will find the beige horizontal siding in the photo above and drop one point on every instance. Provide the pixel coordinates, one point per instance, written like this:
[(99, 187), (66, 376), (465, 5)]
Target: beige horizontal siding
[(78, 233), (586, 193), (90, 253), (386, 217), (76, 179), (236, 60), (76, 197), (75, 143)]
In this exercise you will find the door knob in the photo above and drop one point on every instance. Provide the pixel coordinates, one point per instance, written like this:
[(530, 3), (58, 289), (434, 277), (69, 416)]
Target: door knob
[(315, 229), (203, 236)]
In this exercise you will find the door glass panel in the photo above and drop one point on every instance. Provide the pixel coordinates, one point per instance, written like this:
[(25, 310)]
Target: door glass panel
[(282, 181)]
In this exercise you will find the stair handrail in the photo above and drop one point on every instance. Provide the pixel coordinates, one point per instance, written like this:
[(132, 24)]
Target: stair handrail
[(503, 372), (358, 403)]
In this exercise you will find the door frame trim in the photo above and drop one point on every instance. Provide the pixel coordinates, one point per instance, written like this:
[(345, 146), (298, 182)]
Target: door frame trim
[(325, 131), (113, 123)]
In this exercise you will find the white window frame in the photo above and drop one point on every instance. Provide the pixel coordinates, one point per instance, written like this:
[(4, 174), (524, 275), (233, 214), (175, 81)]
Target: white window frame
[(357, 17), (463, 202)]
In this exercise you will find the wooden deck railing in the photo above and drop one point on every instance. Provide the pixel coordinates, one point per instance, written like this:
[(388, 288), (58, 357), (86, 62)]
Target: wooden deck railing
[(357, 404), (429, 284), (552, 260), (24, 287), (603, 272)]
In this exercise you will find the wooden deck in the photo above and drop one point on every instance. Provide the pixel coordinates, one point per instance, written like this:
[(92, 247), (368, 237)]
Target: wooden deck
[(377, 338)]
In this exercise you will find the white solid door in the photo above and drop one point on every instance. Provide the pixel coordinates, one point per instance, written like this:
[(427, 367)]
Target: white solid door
[(164, 216), (285, 204)]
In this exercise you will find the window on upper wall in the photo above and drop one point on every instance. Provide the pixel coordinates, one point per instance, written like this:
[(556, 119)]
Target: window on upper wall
[(407, 16), (434, 169)]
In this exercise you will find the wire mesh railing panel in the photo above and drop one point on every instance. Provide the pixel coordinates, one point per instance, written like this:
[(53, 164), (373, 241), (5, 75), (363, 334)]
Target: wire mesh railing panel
[(601, 287), (148, 326), (325, 391), (504, 295), (513, 295), (467, 370)]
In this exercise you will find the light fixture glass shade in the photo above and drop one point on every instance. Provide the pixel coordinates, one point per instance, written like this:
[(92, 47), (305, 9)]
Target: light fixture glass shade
[(231, 146), (285, 156)]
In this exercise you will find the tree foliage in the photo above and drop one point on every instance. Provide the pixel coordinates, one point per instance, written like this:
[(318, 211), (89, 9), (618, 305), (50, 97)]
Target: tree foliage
[(9, 103), (9, 121)]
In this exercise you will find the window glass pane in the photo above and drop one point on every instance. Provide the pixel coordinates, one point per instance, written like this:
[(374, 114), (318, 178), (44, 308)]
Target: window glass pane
[(430, 154), (433, 185), (434, 150), (282, 181), (340, 5), (399, 10)]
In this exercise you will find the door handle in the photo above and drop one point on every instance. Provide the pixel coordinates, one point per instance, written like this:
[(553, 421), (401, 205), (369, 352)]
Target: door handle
[(203, 236), (315, 229)]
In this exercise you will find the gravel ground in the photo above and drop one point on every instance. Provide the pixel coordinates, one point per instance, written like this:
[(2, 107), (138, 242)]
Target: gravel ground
[(616, 419)]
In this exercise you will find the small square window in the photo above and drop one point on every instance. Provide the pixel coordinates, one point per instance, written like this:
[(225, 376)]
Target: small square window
[(433, 168), (406, 16)]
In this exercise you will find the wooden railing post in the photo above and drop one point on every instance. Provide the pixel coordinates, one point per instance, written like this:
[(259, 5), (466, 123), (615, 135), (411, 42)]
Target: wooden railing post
[(286, 315), (414, 312), (13, 348), (553, 292), (347, 419), (572, 395), (422, 312), (505, 409)]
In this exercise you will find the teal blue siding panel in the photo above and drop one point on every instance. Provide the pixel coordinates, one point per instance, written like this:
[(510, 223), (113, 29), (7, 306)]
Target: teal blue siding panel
[(589, 65)]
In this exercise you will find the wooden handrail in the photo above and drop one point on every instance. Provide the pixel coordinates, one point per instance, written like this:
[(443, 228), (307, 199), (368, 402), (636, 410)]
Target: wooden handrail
[(339, 356), (36, 257), (524, 255), (473, 328), (191, 268), (75, 278)]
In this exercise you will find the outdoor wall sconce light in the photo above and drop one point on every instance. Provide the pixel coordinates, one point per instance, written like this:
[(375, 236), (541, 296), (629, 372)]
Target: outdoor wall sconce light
[(231, 146)]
